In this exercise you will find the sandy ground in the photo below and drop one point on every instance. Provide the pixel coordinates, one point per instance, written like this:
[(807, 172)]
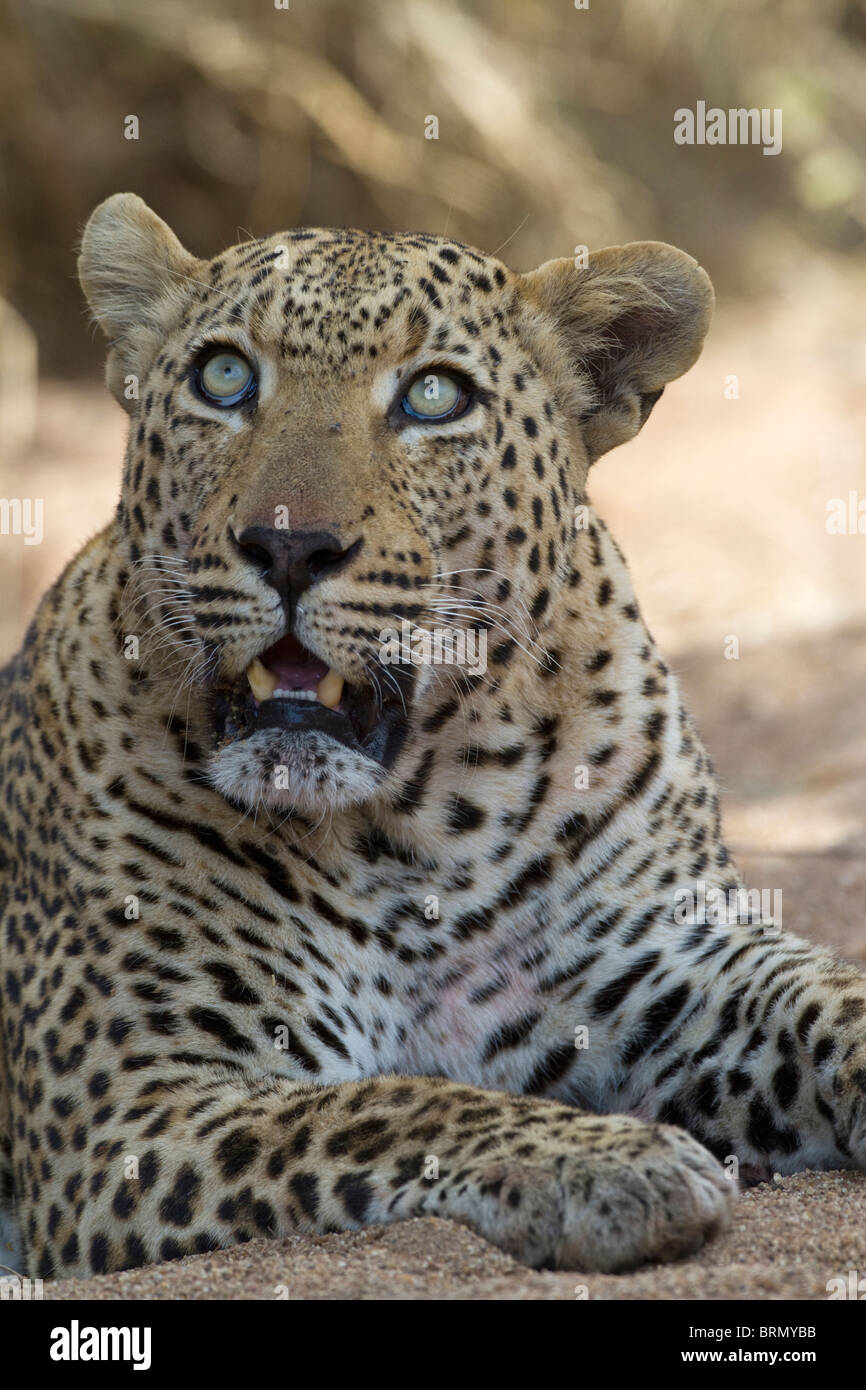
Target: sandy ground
[(720, 506)]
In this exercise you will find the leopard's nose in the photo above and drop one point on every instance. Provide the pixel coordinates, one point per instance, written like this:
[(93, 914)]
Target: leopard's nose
[(292, 561)]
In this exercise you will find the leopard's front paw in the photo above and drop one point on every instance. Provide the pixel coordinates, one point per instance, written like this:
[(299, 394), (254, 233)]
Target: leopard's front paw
[(849, 1097), (611, 1194)]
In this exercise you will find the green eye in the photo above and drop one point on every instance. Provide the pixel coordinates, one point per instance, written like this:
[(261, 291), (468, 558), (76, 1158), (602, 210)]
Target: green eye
[(435, 395), (225, 378)]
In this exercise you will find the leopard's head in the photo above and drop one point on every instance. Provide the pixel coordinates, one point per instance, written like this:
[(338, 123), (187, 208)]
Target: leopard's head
[(348, 448)]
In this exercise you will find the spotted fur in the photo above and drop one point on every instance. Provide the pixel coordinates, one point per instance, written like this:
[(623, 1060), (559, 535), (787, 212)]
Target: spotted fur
[(233, 1009)]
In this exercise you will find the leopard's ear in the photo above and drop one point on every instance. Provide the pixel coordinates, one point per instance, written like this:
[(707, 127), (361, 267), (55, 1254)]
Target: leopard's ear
[(631, 320), (135, 274)]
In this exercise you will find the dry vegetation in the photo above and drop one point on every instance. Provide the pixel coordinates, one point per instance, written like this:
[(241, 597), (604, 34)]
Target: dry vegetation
[(556, 128)]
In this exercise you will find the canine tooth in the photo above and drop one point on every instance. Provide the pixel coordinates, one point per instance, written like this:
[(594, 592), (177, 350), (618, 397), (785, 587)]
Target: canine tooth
[(263, 682), (330, 689)]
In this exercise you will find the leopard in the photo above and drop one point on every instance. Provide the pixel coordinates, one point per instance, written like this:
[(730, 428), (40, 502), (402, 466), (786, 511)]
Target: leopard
[(308, 925)]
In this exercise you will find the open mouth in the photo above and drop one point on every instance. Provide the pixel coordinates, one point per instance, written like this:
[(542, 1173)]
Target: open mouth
[(287, 688)]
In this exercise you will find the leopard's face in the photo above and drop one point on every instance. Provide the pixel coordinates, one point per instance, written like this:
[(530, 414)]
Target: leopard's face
[(344, 434), (346, 449)]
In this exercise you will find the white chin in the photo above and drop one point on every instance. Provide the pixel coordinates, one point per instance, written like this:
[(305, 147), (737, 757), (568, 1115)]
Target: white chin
[(293, 771)]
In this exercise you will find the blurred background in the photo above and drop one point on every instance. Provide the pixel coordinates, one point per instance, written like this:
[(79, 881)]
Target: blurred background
[(555, 129)]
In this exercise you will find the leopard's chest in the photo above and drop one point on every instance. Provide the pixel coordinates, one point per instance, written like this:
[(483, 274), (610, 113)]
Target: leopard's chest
[(427, 996), (482, 1021)]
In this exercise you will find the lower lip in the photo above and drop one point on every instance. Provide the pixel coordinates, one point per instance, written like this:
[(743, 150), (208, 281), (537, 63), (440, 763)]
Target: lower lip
[(306, 715), (381, 744)]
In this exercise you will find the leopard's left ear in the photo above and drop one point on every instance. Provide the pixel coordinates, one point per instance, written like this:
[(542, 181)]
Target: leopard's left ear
[(136, 276), (631, 320)]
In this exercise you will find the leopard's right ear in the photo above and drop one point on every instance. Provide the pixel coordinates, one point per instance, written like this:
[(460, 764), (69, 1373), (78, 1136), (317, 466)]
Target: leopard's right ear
[(624, 325), (135, 274)]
